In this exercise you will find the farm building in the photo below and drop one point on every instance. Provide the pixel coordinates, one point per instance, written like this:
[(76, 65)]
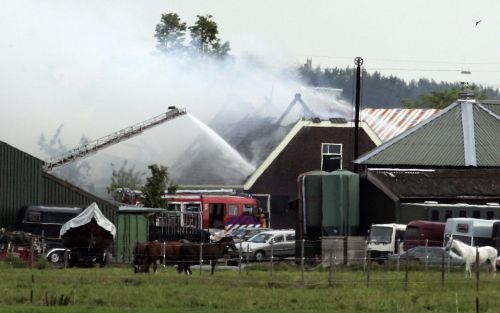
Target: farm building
[(310, 145), (23, 182), (452, 157)]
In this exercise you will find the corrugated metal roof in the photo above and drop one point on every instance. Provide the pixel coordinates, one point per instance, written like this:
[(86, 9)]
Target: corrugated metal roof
[(388, 123), (492, 105), (463, 134), (487, 137)]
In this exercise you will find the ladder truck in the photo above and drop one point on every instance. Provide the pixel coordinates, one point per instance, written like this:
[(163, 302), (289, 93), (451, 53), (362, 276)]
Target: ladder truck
[(111, 139)]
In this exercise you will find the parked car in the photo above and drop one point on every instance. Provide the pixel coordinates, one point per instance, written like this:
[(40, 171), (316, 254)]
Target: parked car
[(434, 256), (258, 247), (245, 233)]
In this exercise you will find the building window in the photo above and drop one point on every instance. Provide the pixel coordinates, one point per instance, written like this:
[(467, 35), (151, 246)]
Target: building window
[(463, 213), (331, 157), (434, 215), (476, 214), (462, 228), (34, 217), (448, 214), (490, 215)]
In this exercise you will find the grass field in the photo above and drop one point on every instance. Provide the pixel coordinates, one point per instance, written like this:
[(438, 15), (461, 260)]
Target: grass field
[(254, 290)]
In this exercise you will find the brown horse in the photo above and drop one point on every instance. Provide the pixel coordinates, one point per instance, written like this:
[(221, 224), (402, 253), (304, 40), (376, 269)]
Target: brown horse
[(209, 251), (145, 254), (173, 254)]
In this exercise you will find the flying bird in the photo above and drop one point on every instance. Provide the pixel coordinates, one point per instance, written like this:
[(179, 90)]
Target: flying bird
[(477, 23)]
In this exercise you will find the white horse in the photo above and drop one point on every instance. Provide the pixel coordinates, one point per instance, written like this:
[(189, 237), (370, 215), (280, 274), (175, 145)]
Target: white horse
[(468, 253)]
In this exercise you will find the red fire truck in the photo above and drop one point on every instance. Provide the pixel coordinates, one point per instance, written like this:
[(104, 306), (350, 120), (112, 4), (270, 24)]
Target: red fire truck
[(218, 212), (206, 210)]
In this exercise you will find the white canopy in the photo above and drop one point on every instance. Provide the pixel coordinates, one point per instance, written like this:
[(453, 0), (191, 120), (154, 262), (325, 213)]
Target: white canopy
[(92, 211)]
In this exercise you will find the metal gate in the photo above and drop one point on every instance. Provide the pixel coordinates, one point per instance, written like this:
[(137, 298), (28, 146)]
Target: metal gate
[(175, 225)]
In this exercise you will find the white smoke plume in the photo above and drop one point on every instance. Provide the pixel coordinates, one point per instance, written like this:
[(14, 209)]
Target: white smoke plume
[(75, 69)]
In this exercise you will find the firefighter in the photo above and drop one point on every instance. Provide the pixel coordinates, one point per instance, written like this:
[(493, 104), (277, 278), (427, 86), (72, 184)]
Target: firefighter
[(262, 219)]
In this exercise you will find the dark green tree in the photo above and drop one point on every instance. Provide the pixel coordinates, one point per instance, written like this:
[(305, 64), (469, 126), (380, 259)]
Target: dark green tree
[(204, 37), (379, 91), (442, 99), (123, 179), (170, 33), (155, 187)]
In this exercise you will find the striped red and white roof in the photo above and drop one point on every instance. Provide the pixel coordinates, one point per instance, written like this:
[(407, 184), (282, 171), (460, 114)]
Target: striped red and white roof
[(388, 123)]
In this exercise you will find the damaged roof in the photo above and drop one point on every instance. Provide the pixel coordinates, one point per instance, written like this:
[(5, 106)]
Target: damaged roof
[(463, 134)]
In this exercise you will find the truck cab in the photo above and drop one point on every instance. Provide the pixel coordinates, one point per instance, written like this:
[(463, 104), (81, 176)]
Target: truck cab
[(383, 240)]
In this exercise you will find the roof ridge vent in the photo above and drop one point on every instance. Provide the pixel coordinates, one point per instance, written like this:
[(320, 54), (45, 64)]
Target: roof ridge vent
[(466, 94)]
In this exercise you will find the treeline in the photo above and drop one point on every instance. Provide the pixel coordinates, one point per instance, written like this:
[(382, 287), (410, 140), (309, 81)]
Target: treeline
[(380, 91)]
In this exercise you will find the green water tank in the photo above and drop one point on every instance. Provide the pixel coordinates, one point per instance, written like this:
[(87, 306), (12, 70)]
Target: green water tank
[(311, 202), (340, 203)]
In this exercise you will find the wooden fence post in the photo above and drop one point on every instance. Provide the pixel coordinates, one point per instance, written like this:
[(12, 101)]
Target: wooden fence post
[(365, 256), (164, 252), (66, 256), (32, 252), (477, 279), (442, 269), (248, 255), (302, 260), (201, 255), (330, 282), (368, 267), (346, 255), (272, 257), (239, 256), (399, 254), (406, 271), (426, 254), (32, 284)]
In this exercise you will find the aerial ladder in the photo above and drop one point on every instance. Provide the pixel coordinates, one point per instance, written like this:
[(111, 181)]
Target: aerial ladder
[(111, 139)]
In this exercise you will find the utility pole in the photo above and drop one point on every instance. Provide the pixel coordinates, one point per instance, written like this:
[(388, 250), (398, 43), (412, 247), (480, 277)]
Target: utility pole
[(358, 61)]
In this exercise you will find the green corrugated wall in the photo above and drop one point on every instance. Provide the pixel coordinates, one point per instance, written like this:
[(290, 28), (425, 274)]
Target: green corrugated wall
[(20, 182), (130, 229)]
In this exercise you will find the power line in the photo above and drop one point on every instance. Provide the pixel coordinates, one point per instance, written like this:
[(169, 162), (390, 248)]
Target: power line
[(403, 60), (427, 70)]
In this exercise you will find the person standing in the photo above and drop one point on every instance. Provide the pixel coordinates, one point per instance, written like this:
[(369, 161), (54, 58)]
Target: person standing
[(262, 219)]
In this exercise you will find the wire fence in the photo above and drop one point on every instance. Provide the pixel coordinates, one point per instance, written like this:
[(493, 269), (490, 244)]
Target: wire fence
[(328, 254), (333, 262)]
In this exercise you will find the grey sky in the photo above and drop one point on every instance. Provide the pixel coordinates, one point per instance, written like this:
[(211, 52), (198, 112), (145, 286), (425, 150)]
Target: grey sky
[(88, 64)]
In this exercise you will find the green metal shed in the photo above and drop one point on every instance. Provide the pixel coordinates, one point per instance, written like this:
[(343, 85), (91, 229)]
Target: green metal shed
[(132, 226)]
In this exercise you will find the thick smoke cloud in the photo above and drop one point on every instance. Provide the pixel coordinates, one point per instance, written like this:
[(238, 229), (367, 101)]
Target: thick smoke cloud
[(77, 68)]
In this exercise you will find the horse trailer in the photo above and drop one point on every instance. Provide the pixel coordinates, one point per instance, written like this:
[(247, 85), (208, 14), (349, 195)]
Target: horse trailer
[(471, 231), (421, 233), (45, 221)]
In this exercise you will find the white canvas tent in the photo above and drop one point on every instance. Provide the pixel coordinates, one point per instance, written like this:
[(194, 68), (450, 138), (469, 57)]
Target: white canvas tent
[(92, 211)]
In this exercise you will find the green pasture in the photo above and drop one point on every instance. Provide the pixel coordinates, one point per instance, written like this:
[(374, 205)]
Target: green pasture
[(253, 290)]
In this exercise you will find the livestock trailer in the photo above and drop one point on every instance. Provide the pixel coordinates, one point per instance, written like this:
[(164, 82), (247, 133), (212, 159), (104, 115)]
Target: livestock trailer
[(420, 233), (471, 231)]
